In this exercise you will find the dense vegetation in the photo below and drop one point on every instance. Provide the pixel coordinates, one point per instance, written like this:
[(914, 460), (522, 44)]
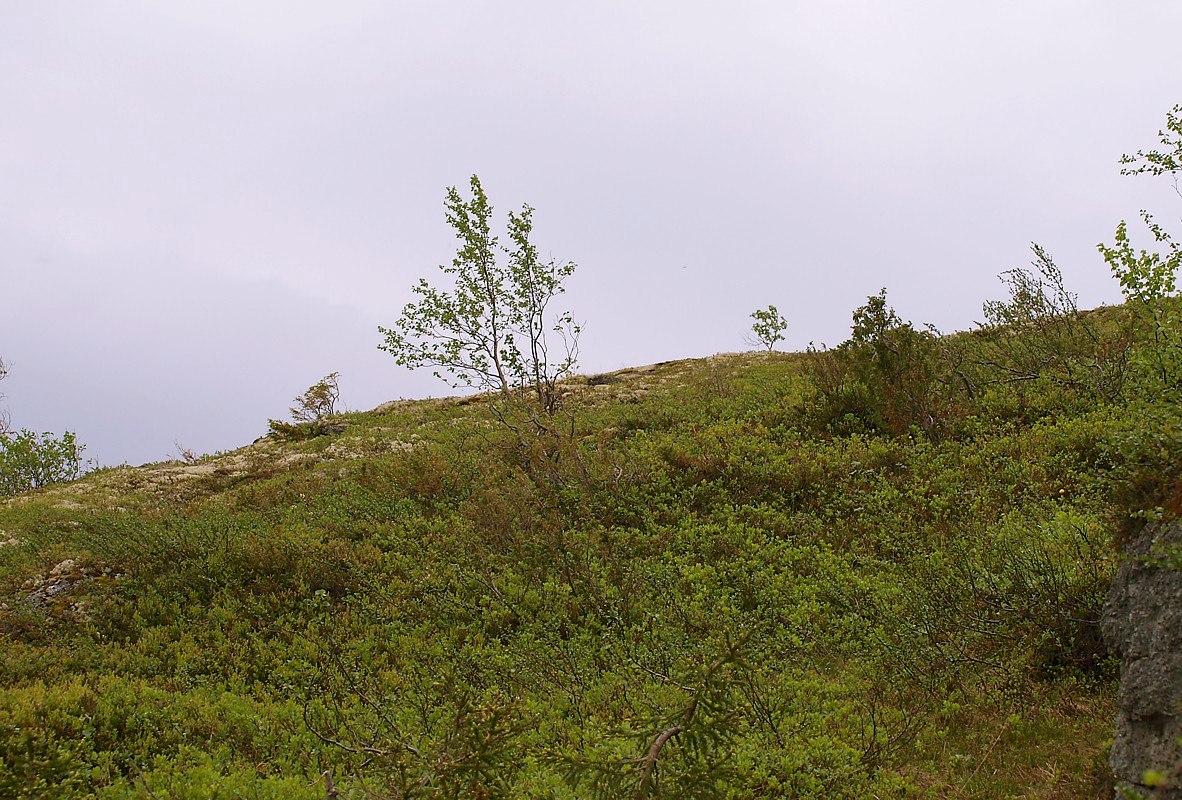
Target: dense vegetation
[(828, 574), (31, 460), (871, 571)]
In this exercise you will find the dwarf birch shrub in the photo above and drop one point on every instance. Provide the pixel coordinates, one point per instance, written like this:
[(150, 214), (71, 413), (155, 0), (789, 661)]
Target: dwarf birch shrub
[(1149, 278), (885, 378), (767, 329), (30, 460), (311, 411), (1038, 340), (495, 330)]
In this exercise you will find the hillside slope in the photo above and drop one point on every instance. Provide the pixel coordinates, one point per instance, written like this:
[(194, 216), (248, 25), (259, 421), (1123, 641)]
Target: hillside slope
[(719, 580)]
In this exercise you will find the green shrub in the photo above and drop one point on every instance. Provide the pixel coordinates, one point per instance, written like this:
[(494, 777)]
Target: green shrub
[(886, 377), (311, 412), (767, 329), (1144, 467), (1149, 278), (30, 460), (1038, 341)]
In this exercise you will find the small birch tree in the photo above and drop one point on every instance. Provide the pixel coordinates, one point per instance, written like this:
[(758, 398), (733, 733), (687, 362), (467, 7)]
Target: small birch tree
[(767, 329), (1149, 278), (494, 330)]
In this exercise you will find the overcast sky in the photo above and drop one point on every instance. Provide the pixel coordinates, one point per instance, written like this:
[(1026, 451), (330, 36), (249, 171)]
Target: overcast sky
[(207, 206)]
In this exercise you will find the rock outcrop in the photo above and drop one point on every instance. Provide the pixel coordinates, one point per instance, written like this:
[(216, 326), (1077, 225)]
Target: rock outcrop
[(1142, 622), (60, 580)]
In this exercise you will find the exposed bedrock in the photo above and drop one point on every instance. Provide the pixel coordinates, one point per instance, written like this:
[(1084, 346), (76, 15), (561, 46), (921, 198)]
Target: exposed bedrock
[(1142, 621)]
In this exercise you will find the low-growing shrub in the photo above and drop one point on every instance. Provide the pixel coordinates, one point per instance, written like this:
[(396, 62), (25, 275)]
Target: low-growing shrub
[(30, 460), (1145, 468), (887, 377), (311, 412)]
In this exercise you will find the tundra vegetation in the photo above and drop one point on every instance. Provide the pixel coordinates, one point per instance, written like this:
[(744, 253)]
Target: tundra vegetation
[(31, 460), (311, 413), (874, 570)]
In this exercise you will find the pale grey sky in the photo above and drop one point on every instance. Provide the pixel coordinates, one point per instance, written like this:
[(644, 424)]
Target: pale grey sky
[(205, 207)]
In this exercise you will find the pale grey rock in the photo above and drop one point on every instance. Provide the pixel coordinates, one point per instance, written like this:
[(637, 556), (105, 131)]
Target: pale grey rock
[(1142, 621)]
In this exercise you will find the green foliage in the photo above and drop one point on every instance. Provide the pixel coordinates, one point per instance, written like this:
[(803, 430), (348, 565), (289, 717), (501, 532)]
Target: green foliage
[(1035, 354), (63, 740), (1144, 276), (405, 608), (494, 329), (1026, 600), (768, 327), (1149, 278), (29, 460), (679, 752), (319, 401), (1159, 162), (311, 411), (461, 747), (1145, 467), (1039, 336), (1036, 295), (885, 377), (869, 571)]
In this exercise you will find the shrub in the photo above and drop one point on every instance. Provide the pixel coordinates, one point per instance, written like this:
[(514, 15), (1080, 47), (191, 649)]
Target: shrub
[(311, 411), (1144, 468), (885, 377), (495, 330), (29, 460), (1039, 338), (1149, 278), (767, 329), (319, 401), (492, 330)]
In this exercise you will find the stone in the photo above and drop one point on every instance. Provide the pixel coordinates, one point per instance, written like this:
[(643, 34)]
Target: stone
[(1142, 622), (64, 576)]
